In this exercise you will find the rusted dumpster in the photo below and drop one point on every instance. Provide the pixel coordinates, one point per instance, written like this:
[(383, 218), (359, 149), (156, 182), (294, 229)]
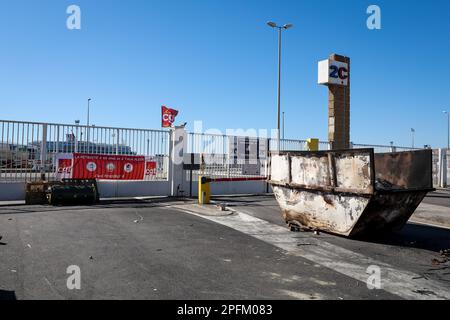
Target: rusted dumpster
[(353, 193)]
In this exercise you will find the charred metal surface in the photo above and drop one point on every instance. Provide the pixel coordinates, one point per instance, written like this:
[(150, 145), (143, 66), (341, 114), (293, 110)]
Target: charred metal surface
[(350, 192), (404, 170), (386, 212), (331, 212)]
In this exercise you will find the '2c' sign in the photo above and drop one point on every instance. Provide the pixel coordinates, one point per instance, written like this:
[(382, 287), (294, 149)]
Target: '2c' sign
[(333, 72), (338, 73)]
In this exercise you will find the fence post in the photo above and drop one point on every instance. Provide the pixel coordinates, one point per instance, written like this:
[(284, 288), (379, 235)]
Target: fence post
[(443, 168), (177, 146), (43, 156), (118, 141)]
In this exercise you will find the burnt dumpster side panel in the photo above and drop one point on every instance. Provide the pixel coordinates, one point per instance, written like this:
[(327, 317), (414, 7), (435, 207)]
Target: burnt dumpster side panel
[(279, 169), (354, 172), (312, 171), (348, 171), (386, 212), (350, 192), (335, 213), (404, 170)]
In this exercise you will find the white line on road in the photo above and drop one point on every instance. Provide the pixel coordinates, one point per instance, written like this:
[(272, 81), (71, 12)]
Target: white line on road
[(405, 284)]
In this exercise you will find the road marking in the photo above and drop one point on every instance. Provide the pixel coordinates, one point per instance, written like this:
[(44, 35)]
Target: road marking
[(405, 284)]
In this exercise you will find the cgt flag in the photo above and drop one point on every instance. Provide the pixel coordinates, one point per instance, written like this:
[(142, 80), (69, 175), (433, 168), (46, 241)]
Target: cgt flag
[(168, 116)]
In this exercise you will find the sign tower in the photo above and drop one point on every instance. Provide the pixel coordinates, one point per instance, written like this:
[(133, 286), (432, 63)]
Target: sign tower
[(335, 74)]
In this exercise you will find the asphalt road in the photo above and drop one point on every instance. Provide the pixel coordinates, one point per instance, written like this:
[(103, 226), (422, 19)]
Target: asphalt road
[(175, 250), (440, 198)]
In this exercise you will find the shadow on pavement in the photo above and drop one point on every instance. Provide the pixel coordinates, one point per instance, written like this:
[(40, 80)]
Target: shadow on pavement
[(417, 236)]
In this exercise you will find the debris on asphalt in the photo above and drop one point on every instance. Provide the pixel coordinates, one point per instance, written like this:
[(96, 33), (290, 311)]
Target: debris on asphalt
[(222, 206), (437, 262), (445, 253), (158, 249), (29, 245), (91, 258), (425, 292), (316, 232), (14, 271), (136, 221)]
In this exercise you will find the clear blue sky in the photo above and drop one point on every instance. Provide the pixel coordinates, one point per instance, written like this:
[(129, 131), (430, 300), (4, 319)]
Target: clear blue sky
[(215, 60)]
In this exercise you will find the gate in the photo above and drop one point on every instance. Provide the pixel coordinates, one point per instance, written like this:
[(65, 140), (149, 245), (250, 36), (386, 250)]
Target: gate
[(28, 153)]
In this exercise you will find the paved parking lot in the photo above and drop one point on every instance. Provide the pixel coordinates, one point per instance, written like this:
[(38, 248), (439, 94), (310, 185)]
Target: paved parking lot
[(179, 250)]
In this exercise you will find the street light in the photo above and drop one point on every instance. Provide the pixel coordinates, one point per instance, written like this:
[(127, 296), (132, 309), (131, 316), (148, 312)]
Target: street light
[(89, 102), (280, 29), (88, 130), (448, 128)]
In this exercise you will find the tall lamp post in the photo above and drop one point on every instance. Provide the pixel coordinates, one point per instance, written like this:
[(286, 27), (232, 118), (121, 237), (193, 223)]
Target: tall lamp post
[(88, 129), (280, 29), (448, 128), (88, 110)]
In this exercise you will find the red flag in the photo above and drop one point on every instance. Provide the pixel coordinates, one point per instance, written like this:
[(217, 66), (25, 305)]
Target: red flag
[(168, 116)]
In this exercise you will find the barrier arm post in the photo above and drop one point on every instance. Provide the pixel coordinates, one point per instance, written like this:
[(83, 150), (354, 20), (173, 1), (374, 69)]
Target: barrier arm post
[(204, 190)]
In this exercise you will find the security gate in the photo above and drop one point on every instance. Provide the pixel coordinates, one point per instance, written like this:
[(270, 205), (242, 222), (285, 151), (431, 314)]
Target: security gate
[(28, 152)]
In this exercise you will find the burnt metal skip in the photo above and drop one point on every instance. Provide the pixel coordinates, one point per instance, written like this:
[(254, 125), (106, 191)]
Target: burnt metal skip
[(353, 193)]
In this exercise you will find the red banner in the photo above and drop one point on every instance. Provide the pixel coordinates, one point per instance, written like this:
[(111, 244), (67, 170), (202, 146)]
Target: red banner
[(108, 167), (150, 168), (168, 117)]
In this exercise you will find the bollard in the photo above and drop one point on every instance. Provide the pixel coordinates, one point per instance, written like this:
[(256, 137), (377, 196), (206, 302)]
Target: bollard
[(204, 190), (312, 144)]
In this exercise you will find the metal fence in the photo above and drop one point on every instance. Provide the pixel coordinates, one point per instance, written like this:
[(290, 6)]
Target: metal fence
[(225, 156), (238, 156), (382, 148), (28, 149)]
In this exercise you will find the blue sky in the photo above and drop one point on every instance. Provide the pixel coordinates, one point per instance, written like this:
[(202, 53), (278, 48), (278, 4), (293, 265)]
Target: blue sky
[(215, 60)]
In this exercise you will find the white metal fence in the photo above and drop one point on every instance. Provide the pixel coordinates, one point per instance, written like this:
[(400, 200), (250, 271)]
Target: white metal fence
[(228, 156), (382, 148), (28, 149), (238, 156)]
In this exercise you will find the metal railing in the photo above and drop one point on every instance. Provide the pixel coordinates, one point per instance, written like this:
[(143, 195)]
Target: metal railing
[(228, 156), (382, 148), (238, 156), (28, 149)]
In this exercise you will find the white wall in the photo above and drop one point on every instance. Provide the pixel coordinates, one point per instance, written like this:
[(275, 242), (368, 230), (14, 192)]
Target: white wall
[(119, 189), (12, 191), (228, 188)]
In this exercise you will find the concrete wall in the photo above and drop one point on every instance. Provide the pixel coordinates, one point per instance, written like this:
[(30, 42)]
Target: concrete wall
[(229, 188), (119, 189), (12, 191)]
